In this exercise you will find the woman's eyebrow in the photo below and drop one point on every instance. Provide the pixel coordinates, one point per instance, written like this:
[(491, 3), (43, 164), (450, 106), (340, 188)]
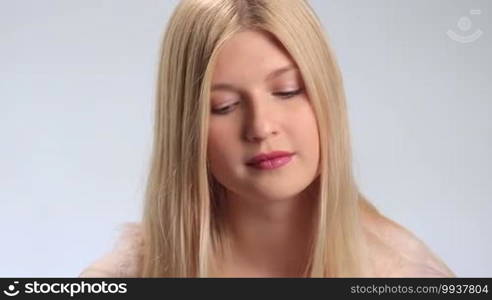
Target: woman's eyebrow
[(274, 73), (279, 71)]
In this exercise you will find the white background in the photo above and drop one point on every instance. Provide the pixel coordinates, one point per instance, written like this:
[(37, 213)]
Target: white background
[(77, 81)]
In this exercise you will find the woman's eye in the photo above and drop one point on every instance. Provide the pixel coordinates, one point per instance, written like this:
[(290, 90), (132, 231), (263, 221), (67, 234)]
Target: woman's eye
[(289, 94), (224, 110), (284, 95)]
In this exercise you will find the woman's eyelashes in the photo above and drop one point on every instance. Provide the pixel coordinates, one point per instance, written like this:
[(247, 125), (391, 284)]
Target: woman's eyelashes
[(289, 94), (283, 95), (224, 110)]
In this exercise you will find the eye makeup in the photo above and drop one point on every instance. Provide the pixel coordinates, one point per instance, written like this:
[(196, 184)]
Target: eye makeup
[(288, 94)]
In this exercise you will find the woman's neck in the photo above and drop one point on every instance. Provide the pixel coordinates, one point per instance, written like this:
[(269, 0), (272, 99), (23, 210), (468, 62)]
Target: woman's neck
[(268, 240)]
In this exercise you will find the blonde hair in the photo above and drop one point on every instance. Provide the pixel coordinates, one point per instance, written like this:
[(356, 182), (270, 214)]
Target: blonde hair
[(182, 222)]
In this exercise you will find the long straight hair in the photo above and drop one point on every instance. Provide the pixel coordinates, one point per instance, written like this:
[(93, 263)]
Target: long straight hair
[(182, 221)]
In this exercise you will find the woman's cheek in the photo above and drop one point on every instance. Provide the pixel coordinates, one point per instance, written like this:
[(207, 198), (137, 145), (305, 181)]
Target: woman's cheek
[(219, 141)]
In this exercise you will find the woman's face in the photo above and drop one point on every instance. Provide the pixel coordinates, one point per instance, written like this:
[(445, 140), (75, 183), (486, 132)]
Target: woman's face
[(259, 105)]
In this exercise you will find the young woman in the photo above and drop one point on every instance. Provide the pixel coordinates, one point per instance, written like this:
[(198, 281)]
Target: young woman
[(251, 170)]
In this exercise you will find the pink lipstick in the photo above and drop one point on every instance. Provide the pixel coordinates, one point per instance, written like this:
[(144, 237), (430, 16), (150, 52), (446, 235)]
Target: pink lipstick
[(269, 161)]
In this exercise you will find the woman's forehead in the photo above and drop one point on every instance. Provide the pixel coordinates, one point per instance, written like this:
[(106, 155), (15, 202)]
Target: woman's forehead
[(250, 52)]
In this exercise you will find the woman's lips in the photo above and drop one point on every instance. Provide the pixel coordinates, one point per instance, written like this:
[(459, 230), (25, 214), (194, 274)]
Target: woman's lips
[(273, 163), (266, 156)]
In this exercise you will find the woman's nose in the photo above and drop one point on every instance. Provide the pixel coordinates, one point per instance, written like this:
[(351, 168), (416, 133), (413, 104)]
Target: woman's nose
[(260, 122)]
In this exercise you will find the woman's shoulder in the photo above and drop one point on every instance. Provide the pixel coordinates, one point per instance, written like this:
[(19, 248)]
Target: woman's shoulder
[(395, 251), (125, 259)]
